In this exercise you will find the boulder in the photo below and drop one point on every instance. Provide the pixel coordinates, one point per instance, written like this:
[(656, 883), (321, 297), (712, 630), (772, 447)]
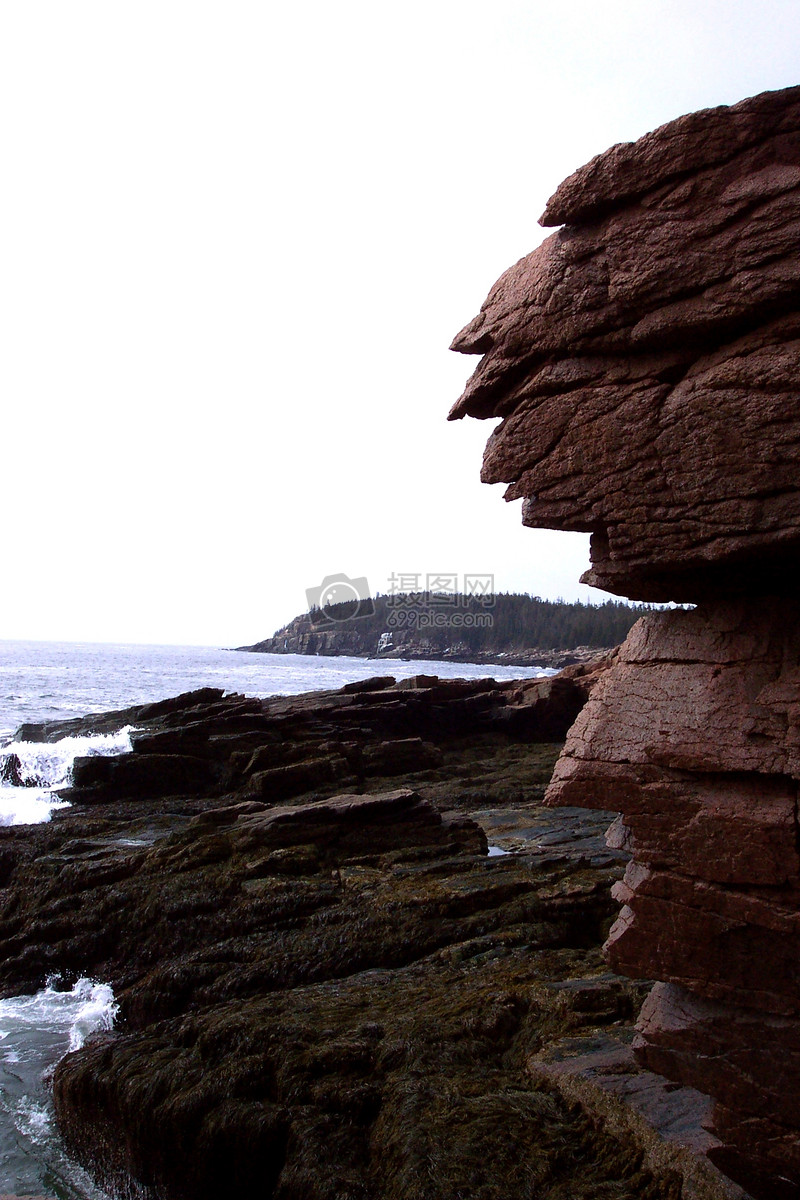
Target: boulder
[(11, 770), (399, 756), (98, 778)]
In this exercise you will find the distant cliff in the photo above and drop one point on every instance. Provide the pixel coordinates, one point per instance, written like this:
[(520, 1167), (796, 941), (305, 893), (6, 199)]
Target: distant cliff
[(508, 628)]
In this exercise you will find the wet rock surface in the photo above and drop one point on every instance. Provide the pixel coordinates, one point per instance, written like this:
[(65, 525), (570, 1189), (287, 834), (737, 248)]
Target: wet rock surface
[(598, 1070), (332, 993), (206, 746), (644, 363)]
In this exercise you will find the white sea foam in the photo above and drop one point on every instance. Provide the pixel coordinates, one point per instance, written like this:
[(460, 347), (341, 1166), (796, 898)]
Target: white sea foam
[(35, 1033), (87, 1007), (33, 1120), (49, 764), (27, 806), (46, 766)]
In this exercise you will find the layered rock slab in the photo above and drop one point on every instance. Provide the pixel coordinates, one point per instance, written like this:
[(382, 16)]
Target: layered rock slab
[(334, 999), (644, 364), (696, 735), (206, 744), (644, 359), (598, 1071)]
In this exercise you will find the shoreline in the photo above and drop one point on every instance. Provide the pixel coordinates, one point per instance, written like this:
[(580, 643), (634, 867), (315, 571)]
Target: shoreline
[(552, 659), (294, 903)]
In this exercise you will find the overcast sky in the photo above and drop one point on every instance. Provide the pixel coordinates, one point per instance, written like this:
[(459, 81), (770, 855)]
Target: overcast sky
[(237, 240)]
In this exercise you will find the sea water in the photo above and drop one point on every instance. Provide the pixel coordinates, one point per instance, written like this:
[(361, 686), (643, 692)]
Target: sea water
[(48, 681), (43, 681), (35, 1032)]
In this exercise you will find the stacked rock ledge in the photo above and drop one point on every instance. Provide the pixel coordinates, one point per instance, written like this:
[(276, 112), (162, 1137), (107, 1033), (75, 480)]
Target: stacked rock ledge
[(645, 362)]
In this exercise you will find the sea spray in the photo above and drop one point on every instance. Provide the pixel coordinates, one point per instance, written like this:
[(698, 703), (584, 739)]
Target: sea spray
[(27, 806), (36, 769), (49, 764)]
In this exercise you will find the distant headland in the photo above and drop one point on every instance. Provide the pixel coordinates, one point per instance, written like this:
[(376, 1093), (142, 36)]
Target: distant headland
[(505, 629)]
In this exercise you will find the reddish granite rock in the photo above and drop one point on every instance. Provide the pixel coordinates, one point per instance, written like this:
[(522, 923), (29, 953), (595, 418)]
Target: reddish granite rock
[(754, 1061), (644, 359), (692, 142), (645, 363), (695, 736)]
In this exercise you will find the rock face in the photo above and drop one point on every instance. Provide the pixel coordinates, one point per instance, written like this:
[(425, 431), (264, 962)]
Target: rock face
[(644, 360), (695, 734)]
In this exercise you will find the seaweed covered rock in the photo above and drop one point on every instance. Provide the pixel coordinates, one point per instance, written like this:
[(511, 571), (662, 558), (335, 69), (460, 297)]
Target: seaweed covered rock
[(332, 993), (338, 1022)]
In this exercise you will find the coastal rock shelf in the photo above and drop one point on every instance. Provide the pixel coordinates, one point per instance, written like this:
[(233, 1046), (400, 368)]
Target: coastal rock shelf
[(328, 989), (206, 744), (644, 361)]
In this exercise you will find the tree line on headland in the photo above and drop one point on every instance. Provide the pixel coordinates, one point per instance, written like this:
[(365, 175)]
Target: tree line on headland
[(454, 624)]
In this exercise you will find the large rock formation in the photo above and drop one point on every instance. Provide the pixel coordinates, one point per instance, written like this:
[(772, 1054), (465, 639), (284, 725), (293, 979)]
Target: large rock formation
[(644, 360), (206, 745)]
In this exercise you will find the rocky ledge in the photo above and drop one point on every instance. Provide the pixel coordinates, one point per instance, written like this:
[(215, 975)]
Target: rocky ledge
[(644, 361), (328, 989)]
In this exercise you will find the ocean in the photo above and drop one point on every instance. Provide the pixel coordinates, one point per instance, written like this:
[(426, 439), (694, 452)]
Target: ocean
[(42, 681)]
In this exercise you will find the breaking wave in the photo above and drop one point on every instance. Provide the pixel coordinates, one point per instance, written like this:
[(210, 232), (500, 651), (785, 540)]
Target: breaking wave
[(30, 772), (35, 1032)]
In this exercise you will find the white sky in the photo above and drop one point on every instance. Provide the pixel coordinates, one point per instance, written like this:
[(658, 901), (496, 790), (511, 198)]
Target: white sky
[(237, 239)]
